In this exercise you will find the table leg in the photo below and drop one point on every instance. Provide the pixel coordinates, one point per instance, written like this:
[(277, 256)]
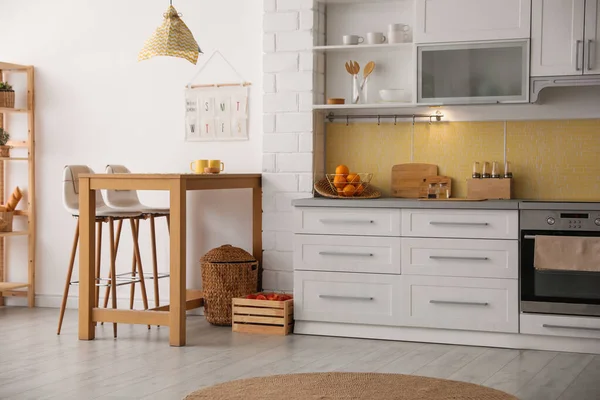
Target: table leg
[(177, 331), (87, 218), (257, 249)]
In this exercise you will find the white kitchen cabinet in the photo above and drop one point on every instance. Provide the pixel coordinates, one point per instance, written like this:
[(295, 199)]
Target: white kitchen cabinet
[(468, 224), (377, 255), (461, 303), (592, 37), (351, 298), (441, 21), (460, 257), (557, 37)]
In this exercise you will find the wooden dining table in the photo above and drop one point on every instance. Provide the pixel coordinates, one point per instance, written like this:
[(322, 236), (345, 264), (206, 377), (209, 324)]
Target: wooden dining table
[(181, 299)]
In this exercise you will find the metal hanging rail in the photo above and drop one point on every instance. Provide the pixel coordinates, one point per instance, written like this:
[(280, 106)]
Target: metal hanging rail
[(437, 117)]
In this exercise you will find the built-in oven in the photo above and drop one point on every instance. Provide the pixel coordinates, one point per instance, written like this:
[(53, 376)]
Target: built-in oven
[(564, 292)]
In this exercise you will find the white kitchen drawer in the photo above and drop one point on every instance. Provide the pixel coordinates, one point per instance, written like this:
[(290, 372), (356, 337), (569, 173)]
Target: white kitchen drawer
[(351, 298), (347, 221), (466, 20), (558, 325), (380, 255), (468, 224), (461, 303), (461, 257)]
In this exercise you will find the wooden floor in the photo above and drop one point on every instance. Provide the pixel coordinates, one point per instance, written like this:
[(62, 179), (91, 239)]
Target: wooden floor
[(37, 364)]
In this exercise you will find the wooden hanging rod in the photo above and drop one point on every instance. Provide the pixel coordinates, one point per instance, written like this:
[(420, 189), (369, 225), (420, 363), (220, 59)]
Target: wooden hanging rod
[(221, 85)]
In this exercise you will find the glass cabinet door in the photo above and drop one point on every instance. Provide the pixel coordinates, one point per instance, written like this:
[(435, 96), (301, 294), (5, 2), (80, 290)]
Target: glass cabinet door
[(473, 73)]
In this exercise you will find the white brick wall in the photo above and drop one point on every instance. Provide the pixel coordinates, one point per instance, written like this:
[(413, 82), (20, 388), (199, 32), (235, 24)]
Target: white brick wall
[(291, 82)]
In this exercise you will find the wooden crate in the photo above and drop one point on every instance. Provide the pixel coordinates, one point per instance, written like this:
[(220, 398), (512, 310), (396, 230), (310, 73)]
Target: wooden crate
[(263, 316), (490, 188)]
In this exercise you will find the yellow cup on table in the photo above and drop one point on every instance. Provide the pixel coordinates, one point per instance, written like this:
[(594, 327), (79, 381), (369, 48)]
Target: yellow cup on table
[(198, 166), (216, 165)]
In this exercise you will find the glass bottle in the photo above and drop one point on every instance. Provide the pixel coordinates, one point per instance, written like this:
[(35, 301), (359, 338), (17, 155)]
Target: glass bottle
[(444, 191), (476, 173), (495, 170), (432, 192), (485, 173), (507, 170)]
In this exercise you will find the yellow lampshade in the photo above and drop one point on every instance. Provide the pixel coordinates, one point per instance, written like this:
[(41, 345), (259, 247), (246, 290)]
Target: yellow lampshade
[(172, 39)]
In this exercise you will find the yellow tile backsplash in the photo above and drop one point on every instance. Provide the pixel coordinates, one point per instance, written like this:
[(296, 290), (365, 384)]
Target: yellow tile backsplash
[(551, 160)]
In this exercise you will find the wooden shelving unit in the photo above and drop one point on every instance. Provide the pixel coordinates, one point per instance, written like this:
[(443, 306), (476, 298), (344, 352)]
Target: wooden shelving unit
[(19, 289)]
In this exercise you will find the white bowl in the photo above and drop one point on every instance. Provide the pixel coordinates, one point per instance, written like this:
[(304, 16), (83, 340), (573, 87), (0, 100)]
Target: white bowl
[(393, 95)]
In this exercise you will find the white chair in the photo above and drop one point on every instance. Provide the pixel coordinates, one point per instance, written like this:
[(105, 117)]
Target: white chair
[(129, 201), (104, 214)]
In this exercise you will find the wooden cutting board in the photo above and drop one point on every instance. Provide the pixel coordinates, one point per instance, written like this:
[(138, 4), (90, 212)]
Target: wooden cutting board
[(408, 178)]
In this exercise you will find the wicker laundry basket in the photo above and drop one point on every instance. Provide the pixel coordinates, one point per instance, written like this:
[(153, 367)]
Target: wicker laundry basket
[(227, 272)]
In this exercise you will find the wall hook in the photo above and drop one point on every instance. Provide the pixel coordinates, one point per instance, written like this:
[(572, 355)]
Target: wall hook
[(379, 120), (347, 120), (395, 120), (414, 117)]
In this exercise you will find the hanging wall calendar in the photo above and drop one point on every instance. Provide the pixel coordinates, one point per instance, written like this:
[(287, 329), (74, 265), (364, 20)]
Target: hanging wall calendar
[(216, 112)]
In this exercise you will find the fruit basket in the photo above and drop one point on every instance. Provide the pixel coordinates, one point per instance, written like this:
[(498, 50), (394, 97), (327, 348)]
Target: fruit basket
[(264, 313), (347, 186)]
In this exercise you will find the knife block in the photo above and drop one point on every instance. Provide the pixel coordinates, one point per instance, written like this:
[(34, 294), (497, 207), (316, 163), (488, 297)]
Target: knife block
[(490, 188)]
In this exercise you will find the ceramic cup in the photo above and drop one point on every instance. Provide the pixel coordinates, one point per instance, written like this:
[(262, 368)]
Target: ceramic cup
[(216, 165), (398, 33), (375, 38), (198, 166), (353, 39)]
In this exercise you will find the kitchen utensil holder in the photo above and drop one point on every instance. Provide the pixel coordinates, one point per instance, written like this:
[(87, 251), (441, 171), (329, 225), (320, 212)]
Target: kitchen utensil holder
[(355, 90)]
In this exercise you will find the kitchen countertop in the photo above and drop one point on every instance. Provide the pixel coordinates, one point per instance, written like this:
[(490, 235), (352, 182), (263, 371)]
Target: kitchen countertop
[(389, 202), (407, 203)]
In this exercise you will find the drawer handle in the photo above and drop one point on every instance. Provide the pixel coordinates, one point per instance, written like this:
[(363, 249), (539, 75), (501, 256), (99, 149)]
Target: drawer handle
[(458, 223), (458, 258), (329, 296), (583, 328), (331, 253), (346, 221), (459, 303)]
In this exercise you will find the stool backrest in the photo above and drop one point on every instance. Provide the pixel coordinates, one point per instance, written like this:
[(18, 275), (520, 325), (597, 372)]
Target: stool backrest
[(121, 198), (71, 187)]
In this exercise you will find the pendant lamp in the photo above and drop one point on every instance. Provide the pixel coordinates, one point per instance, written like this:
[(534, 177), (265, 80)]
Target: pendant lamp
[(172, 39)]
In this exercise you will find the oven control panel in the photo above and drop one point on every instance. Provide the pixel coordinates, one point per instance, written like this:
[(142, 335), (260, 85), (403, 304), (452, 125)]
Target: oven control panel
[(560, 220)]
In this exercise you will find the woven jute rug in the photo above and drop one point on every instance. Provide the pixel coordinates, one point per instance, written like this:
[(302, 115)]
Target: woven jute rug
[(348, 386)]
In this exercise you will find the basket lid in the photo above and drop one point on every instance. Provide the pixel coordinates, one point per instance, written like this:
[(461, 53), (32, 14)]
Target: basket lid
[(227, 254)]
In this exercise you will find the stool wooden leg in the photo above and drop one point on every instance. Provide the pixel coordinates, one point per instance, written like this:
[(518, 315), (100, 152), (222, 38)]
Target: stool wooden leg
[(117, 241), (136, 249), (133, 264), (63, 305), (113, 272), (98, 258), (154, 261)]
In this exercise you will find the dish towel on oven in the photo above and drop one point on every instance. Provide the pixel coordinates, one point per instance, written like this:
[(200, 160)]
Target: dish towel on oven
[(567, 253)]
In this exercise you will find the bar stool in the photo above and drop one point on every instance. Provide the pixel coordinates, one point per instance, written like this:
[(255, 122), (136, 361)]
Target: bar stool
[(128, 201), (104, 214)]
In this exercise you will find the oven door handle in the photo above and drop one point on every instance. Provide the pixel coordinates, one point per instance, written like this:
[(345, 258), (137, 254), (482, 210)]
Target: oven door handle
[(532, 237), (584, 328)]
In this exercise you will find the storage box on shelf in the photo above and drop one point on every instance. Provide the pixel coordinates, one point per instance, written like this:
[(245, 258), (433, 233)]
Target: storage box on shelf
[(271, 317)]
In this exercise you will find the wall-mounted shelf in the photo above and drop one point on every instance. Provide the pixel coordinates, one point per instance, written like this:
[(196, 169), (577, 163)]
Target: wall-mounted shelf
[(25, 141), (374, 106), (5, 110), (364, 47)]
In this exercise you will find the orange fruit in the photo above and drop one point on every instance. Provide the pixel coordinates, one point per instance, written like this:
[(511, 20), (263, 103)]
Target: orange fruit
[(359, 189), (342, 170), (340, 192), (339, 181), (353, 177), (349, 190)]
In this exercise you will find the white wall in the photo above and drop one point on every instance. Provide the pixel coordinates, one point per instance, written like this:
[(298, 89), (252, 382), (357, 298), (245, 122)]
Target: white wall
[(96, 105)]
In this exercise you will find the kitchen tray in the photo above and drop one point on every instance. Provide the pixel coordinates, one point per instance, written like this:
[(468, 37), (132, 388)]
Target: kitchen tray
[(323, 188)]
